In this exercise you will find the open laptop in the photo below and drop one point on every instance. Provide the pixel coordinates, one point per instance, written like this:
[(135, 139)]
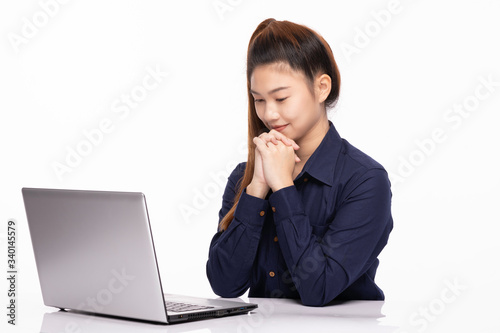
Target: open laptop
[(94, 253)]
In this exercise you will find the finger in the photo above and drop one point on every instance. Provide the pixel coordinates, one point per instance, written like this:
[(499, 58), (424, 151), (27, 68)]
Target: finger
[(279, 136), (269, 138), (294, 145), (296, 157), (283, 138), (265, 137), (260, 144)]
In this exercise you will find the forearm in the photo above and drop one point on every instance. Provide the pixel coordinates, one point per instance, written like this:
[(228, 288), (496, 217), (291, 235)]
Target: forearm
[(257, 190), (325, 257), (318, 279), (232, 252)]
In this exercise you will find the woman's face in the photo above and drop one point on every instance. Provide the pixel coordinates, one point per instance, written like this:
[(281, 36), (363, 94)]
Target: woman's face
[(284, 102)]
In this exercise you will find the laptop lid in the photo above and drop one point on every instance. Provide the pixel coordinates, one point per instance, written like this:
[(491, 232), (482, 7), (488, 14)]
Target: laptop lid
[(94, 252)]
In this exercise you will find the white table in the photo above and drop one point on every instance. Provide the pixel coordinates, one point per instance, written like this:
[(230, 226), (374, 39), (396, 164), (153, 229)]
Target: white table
[(273, 315)]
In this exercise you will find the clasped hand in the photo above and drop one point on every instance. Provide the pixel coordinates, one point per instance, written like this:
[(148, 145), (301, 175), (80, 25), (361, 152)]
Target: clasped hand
[(275, 160)]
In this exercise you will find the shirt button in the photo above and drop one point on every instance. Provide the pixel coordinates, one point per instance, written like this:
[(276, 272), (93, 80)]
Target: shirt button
[(276, 238), (262, 213), (306, 179), (271, 274), (274, 209)]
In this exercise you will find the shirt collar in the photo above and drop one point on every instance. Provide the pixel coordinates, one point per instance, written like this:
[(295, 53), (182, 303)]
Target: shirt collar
[(322, 162)]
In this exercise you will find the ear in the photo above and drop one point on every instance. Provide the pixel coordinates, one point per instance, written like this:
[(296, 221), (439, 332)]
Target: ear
[(323, 86)]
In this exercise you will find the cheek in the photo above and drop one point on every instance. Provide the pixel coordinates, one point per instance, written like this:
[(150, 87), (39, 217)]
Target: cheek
[(260, 113), (298, 108)]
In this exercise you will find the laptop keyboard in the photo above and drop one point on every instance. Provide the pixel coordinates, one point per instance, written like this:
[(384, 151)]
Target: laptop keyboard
[(180, 307)]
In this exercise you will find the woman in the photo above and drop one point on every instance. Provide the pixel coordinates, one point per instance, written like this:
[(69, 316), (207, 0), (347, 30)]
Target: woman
[(308, 214)]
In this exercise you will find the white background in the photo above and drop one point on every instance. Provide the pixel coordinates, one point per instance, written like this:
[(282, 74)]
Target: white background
[(402, 75)]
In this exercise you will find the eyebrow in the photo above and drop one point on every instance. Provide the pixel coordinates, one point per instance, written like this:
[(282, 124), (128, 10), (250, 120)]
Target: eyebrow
[(270, 92)]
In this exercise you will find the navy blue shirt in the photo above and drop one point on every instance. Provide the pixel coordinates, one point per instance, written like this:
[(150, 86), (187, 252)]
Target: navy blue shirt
[(317, 240)]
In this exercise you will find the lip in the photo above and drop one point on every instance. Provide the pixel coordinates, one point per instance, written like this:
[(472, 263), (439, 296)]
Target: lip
[(280, 127)]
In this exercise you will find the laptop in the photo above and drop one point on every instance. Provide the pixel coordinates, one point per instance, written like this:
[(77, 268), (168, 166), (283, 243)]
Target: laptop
[(95, 254)]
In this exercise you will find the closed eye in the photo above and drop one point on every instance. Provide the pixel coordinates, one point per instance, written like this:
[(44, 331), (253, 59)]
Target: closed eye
[(277, 100)]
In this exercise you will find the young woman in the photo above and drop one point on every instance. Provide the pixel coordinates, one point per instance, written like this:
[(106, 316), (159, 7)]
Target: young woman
[(307, 215)]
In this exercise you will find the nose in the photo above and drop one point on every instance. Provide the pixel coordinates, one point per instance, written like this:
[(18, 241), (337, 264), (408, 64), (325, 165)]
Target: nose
[(271, 113)]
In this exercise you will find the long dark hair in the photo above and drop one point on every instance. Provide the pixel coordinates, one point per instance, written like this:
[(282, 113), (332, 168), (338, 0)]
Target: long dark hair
[(303, 50)]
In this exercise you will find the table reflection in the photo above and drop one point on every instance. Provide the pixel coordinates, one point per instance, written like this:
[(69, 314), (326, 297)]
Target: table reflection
[(272, 315)]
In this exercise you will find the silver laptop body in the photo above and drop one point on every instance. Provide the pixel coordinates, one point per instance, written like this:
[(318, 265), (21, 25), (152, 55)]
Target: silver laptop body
[(94, 253)]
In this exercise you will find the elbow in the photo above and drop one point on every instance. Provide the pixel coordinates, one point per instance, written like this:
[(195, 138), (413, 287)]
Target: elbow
[(313, 301), (316, 296), (226, 290), (227, 293), (224, 286)]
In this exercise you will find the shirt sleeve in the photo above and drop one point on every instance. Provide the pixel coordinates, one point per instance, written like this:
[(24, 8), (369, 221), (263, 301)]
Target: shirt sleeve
[(322, 268), (232, 252)]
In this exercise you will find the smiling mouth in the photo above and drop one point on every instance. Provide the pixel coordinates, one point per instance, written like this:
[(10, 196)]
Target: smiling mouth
[(280, 128)]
